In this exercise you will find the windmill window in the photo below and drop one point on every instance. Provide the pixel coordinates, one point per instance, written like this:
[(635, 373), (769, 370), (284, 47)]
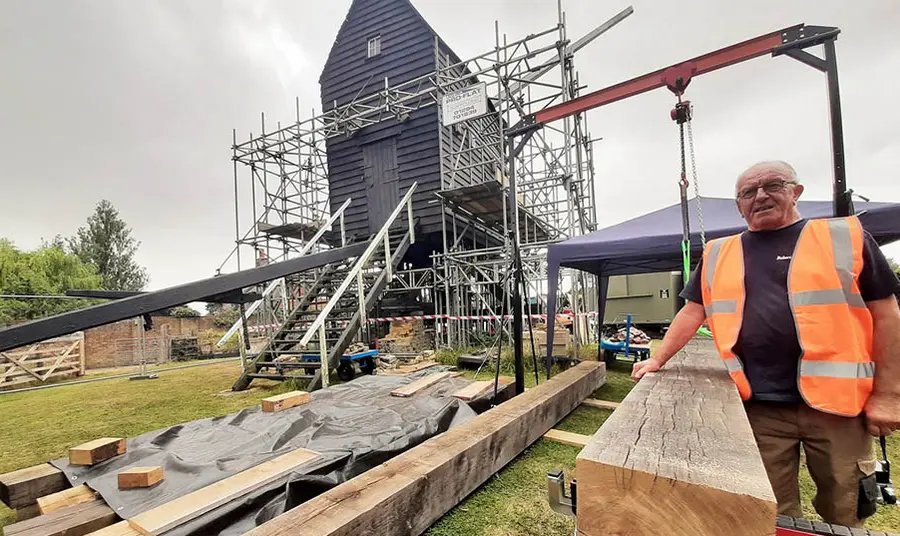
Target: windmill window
[(374, 47)]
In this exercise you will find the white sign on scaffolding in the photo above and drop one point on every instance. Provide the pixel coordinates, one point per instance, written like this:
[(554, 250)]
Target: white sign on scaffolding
[(465, 104)]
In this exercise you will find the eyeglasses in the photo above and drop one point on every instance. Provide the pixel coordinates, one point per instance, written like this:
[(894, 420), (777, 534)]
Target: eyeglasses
[(772, 187)]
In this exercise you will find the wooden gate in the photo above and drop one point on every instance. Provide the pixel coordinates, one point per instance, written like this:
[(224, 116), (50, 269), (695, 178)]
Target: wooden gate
[(63, 356)]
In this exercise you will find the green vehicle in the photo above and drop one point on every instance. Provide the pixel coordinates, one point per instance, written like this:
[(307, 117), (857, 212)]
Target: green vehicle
[(651, 299)]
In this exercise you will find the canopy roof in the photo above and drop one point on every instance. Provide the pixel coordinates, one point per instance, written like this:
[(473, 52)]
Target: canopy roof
[(652, 242)]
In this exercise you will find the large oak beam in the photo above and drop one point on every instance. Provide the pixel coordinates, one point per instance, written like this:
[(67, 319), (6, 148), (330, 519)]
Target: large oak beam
[(405, 495), (677, 457), (20, 489)]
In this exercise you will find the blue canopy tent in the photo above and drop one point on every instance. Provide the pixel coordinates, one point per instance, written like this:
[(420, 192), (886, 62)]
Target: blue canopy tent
[(652, 242)]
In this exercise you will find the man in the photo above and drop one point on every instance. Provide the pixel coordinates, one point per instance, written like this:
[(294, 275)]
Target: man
[(804, 316)]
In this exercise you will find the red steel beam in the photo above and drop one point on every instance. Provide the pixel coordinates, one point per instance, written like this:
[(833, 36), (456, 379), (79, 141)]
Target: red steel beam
[(746, 50)]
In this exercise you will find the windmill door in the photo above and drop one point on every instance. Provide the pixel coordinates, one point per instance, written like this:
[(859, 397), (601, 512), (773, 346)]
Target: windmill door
[(382, 188)]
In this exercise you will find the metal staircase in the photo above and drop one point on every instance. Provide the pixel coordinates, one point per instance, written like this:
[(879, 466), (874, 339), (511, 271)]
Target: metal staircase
[(318, 332)]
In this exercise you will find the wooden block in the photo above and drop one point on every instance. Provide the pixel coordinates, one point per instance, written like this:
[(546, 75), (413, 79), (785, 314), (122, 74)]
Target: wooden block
[(76, 520), (181, 510), (96, 451), (600, 404), (388, 499), (122, 528), (567, 438), (479, 388), (421, 383), (677, 457), (67, 497), (22, 488), (284, 401), (140, 477)]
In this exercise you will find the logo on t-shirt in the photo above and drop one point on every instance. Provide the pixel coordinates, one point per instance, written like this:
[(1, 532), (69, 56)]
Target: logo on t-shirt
[(783, 258)]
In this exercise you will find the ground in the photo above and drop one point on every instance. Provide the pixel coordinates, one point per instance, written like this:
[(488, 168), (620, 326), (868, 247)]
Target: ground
[(40, 425)]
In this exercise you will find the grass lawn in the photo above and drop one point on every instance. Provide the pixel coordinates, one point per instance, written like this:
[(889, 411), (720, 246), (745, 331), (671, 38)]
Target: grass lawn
[(40, 425)]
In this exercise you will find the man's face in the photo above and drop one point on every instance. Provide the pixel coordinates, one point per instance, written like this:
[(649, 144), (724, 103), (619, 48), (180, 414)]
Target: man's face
[(766, 199)]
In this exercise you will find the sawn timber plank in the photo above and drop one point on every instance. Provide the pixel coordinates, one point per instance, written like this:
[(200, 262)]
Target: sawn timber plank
[(567, 438), (421, 383), (67, 497), (76, 520), (173, 513), (408, 493)]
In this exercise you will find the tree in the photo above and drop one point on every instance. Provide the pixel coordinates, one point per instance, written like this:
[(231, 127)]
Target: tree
[(183, 311), (106, 243), (894, 266), (47, 271)]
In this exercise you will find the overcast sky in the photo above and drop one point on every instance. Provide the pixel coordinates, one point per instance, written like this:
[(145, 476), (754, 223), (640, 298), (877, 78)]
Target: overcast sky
[(135, 101)]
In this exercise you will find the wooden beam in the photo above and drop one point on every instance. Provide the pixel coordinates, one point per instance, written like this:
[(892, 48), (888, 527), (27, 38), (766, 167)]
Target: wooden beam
[(122, 528), (567, 438), (67, 497), (600, 404), (421, 383), (476, 389), (284, 401), (140, 477), (22, 488), (27, 512), (187, 507), (76, 520), (677, 458), (96, 451), (409, 492)]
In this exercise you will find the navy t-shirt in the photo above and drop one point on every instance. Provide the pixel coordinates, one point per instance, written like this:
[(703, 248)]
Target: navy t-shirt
[(768, 344)]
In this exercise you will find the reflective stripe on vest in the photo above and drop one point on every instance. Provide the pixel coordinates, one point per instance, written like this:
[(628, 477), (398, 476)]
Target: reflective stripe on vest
[(834, 326), (723, 314)]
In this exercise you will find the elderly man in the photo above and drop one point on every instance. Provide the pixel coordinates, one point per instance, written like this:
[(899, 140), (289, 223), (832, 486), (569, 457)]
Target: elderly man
[(804, 316)]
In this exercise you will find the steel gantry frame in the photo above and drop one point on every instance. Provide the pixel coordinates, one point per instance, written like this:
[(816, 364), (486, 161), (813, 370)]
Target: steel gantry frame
[(791, 41)]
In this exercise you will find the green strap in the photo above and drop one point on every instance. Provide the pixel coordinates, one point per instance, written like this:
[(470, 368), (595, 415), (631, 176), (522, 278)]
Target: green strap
[(686, 255)]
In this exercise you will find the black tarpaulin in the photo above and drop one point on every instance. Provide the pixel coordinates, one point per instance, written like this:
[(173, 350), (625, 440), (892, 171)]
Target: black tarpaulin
[(354, 426)]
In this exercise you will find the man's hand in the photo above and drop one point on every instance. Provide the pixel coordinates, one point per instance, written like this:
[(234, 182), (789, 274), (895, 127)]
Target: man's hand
[(643, 367), (883, 413)]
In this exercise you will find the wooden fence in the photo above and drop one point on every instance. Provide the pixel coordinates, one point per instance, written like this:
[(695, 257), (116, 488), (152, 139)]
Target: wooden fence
[(63, 356)]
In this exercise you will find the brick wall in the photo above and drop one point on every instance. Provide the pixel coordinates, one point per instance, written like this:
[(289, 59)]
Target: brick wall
[(100, 343)]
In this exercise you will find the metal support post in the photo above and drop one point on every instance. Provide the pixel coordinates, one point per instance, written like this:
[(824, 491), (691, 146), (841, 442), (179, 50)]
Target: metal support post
[(516, 300), (842, 202), (323, 355)]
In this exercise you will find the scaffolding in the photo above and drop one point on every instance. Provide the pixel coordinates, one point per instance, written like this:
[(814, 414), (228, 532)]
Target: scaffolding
[(281, 188)]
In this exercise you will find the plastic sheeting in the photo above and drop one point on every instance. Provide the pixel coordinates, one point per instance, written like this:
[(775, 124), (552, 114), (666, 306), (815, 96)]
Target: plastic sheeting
[(354, 426)]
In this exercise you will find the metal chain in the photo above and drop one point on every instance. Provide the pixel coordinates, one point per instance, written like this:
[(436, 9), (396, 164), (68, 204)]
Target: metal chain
[(696, 184)]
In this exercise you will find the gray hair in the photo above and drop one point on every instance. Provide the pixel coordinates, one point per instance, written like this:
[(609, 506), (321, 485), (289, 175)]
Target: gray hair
[(779, 166)]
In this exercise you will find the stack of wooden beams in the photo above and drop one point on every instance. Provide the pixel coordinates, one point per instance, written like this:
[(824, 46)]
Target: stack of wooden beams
[(52, 508), (561, 340), (407, 336)]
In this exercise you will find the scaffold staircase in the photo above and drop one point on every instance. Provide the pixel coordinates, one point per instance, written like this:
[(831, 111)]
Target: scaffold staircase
[(332, 310)]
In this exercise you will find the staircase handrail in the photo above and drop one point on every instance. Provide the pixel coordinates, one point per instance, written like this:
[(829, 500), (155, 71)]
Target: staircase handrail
[(363, 259), (274, 284)]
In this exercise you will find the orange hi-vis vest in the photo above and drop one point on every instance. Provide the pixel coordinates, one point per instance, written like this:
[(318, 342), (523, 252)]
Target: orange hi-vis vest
[(836, 372)]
